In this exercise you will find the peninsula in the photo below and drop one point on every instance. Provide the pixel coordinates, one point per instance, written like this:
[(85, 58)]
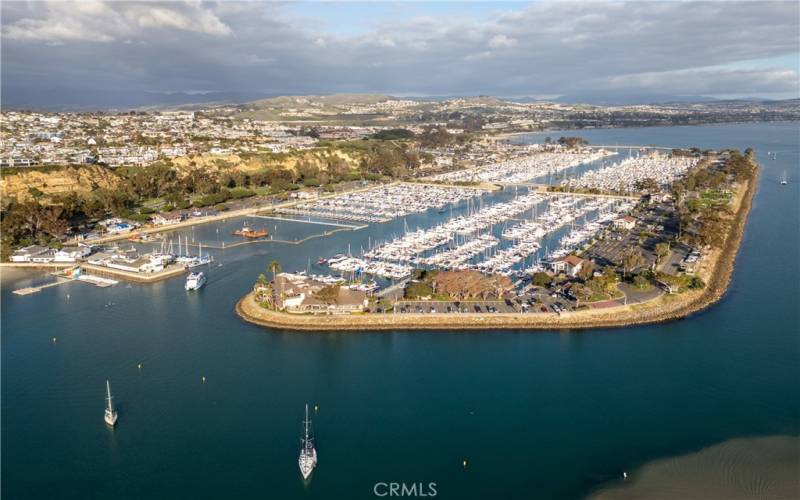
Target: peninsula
[(648, 239)]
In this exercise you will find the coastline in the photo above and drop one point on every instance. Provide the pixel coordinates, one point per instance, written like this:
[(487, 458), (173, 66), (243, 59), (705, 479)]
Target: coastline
[(509, 135), (262, 209), (717, 272)]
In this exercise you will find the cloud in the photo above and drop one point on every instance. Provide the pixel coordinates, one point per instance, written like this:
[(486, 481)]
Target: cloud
[(711, 81), (96, 21), (502, 42), (544, 48)]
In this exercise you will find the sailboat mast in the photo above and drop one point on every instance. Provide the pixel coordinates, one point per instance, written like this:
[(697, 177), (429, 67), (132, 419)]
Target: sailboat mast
[(108, 391), (305, 424)]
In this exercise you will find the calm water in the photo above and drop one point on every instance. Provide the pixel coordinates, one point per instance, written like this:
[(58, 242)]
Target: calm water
[(537, 415)]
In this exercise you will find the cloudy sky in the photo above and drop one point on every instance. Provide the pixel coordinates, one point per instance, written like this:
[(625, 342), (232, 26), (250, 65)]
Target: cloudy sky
[(95, 53)]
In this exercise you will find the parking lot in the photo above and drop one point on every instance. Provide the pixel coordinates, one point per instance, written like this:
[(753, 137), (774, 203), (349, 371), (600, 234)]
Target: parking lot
[(442, 306), (538, 301)]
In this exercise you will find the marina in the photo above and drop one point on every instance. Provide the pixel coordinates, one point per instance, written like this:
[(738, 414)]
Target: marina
[(534, 165), (383, 203), (625, 176), (390, 394)]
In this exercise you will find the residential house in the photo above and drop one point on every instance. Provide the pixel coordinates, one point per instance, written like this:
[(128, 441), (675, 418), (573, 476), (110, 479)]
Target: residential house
[(570, 265), (626, 222)]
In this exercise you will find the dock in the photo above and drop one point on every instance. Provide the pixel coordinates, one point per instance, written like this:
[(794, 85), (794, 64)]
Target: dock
[(307, 221), (61, 279)]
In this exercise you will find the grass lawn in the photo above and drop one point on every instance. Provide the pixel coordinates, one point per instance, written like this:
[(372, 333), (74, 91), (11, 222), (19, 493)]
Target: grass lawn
[(715, 198)]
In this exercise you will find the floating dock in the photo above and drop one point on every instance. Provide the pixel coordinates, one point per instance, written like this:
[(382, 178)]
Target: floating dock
[(61, 279)]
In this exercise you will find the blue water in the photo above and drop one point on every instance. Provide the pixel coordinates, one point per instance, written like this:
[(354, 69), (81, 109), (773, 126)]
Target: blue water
[(536, 415)]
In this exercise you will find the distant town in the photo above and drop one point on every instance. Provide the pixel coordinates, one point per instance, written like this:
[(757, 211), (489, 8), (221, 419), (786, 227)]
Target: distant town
[(277, 125)]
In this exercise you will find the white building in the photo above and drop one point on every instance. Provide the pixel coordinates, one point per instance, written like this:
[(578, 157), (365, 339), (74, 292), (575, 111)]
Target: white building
[(29, 253)]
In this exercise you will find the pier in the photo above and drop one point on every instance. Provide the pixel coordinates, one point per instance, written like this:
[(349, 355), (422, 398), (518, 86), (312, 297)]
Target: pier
[(61, 279), (304, 221)]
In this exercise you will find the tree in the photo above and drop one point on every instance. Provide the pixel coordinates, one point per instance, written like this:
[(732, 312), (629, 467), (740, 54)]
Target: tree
[(274, 267), (640, 282), (581, 292), (572, 142), (662, 250), (586, 271), (542, 279), (631, 259), (678, 192), (712, 228), (306, 169), (648, 185), (328, 294)]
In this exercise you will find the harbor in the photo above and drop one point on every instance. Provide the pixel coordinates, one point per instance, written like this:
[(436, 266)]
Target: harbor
[(533, 165), (181, 362), (382, 204)]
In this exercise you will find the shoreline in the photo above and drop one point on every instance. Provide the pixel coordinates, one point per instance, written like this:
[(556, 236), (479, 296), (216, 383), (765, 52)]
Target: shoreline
[(508, 135), (718, 274), (232, 214)]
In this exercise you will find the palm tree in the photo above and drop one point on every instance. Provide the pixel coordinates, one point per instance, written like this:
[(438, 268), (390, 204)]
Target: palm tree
[(274, 267)]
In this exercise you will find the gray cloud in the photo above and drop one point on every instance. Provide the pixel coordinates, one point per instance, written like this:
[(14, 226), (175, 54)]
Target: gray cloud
[(97, 21), (251, 48)]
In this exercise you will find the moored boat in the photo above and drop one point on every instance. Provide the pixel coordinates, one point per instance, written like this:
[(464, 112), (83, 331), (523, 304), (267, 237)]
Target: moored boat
[(308, 454), (248, 232), (110, 415)]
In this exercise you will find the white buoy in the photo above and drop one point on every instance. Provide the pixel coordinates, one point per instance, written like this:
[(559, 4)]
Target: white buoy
[(625, 475), (204, 379)]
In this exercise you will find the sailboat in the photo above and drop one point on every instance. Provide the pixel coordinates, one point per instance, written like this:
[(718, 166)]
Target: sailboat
[(111, 415), (784, 180), (308, 454)]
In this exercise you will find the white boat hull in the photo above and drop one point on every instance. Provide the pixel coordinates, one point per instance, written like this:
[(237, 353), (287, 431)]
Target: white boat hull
[(111, 418), (307, 463), (195, 283)]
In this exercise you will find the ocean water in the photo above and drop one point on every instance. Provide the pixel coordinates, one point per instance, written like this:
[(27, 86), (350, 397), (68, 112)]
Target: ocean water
[(535, 415)]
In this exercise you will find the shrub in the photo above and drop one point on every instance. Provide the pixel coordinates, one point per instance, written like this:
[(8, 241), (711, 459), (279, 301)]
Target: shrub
[(542, 279)]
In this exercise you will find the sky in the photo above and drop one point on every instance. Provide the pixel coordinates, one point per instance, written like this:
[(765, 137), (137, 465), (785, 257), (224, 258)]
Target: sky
[(124, 54)]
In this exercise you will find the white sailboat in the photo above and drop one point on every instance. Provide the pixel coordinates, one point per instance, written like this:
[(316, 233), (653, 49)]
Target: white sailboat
[(784, 180), (308, 454), (111, 414)]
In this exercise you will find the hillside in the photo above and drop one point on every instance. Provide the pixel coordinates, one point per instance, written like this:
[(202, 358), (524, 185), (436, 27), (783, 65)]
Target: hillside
[(26, 184), (45, 183)]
